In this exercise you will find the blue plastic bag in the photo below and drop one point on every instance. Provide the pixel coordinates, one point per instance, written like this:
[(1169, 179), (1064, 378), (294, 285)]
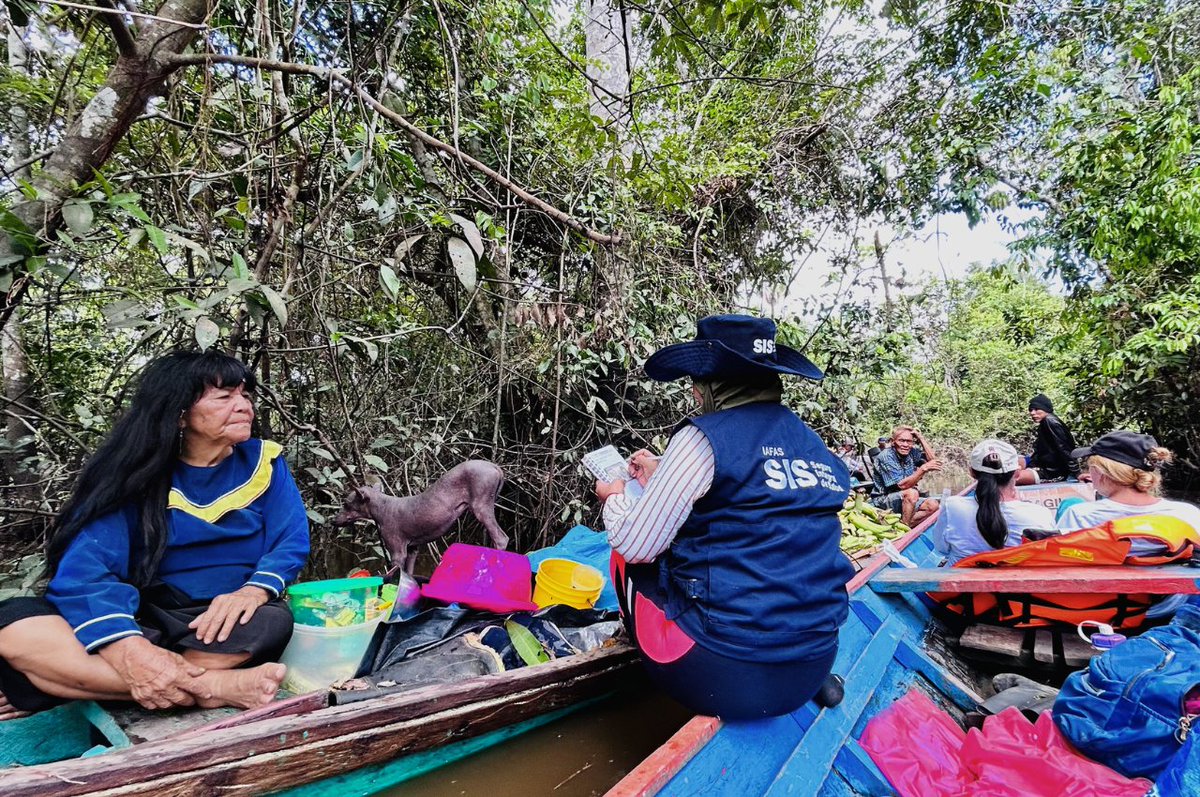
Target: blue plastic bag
[(587, 547), (1126, 709)]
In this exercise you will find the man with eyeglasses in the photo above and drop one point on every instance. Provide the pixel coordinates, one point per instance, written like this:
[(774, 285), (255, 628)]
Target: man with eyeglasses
[(899, 470)]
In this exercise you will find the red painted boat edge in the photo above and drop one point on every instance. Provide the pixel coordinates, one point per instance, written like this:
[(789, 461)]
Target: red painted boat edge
[(652, 774)]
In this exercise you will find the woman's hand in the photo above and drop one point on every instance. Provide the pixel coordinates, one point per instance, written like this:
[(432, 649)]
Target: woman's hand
[(226, 611), (606, 489), (642, 465), (157, 678)]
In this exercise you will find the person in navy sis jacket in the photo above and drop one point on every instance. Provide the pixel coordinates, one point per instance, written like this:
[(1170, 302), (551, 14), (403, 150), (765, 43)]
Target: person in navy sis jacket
[(170, 558), (728, 567)]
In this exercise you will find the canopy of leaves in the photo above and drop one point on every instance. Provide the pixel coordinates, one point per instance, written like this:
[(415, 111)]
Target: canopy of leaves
[(415, 249)]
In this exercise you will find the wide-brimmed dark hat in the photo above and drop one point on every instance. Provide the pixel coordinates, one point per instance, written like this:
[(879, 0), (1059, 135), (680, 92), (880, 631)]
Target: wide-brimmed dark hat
[(1128, 448), (730, 347)]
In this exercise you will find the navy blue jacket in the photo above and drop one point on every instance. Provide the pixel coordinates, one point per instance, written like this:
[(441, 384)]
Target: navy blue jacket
[(756, 571)]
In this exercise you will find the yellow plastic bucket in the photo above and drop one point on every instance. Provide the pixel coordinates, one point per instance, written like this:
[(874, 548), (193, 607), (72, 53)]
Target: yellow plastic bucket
[(566, 582)]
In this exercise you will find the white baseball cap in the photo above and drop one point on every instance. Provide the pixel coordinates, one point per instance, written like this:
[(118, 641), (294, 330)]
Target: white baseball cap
[(1009, 460)]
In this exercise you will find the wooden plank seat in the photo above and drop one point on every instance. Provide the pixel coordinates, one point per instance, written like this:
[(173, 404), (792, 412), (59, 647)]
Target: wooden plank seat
[(1167, 580), (1030, 647)]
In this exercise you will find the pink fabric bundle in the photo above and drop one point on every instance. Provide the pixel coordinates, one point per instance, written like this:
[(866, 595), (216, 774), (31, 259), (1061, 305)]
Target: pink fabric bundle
[(924, 753)]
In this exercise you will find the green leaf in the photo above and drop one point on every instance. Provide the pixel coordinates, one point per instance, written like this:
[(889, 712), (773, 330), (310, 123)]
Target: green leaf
[(238, 285), (77, 213), (240, 269), (375, 462), (463, 260), (526, 644), (23, 240), (470, 232), (389, 281), (278, 304), (207, 332), (158, 238)]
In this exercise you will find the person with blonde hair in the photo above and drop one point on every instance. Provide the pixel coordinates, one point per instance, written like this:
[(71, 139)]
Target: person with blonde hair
[(1125, 469)]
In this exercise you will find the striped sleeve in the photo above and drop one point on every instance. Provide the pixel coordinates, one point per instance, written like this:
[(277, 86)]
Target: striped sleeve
[(641, 532)]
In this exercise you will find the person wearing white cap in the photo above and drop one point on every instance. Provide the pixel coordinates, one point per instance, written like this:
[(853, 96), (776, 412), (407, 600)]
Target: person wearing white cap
[(994, 516)]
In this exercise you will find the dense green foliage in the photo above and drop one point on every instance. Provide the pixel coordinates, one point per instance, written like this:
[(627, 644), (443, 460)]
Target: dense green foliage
[(1088, 112), (961, 363), (406, 310)]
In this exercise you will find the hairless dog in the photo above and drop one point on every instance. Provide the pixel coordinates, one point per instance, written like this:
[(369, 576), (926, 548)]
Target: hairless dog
[(407, 522)]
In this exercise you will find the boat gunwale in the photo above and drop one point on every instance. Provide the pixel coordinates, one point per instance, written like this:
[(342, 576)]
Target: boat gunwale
[(191, 752)]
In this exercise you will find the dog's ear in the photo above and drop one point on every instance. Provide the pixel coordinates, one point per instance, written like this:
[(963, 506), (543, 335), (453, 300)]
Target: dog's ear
[(360, 494)]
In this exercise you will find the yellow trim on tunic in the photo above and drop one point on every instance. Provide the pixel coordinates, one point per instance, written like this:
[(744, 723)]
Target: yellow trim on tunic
[(237, 498)]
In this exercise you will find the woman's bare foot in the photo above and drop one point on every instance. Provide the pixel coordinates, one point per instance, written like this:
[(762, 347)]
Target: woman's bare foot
[(241, 688), (7, 712)]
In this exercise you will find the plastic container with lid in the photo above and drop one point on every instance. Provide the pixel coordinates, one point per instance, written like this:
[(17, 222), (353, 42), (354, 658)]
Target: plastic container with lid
[(337, 602)]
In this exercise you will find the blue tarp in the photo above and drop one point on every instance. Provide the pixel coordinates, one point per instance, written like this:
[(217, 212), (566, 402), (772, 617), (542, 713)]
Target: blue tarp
[(585, 546)]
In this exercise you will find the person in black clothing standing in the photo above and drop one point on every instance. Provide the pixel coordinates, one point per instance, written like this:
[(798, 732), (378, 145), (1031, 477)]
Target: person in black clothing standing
[(1051, 460)]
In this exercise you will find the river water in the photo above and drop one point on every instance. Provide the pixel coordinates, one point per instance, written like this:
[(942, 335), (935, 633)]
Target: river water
[(582, 754)]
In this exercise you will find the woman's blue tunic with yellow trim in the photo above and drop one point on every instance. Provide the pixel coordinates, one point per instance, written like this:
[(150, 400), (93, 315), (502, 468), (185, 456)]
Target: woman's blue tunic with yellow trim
[(237, 523)]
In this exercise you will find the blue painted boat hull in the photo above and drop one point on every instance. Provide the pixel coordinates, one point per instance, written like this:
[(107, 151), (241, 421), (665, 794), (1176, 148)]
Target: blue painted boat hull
[(815, 751), (886, 648)]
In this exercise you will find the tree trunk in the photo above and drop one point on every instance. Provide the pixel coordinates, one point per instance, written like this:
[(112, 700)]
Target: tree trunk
[(95, 133), (608, 57), (881, 259), (19, 423)]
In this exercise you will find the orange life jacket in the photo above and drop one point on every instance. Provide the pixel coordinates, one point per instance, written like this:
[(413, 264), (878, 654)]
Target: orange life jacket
[(1106, 544)]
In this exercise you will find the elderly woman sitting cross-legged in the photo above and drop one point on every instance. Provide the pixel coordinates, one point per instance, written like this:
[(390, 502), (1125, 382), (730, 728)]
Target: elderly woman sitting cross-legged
[(169, 560)]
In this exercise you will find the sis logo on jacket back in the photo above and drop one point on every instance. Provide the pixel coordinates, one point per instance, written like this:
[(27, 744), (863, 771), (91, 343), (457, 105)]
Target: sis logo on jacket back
[(784, 473)]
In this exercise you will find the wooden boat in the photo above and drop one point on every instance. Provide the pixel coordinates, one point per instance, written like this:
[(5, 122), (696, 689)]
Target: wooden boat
[(889, 645), (307, 746)]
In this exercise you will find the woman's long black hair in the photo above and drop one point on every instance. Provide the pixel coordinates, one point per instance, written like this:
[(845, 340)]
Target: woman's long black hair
[(133, 465), (988, 517)]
